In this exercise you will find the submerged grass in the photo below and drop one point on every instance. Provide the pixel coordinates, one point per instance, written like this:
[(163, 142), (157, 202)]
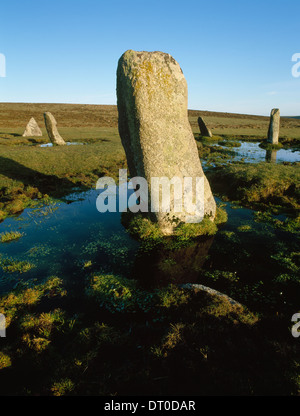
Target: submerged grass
[(10, 236), (9, 265)]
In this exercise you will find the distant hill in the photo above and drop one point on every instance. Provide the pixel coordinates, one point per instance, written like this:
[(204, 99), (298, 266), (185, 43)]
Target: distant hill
[(83, 118)]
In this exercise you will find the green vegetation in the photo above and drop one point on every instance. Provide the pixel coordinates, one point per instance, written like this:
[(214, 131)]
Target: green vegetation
[(151, 236), (227, 143), (29, 173), (10, 236), (214, 155), (270, 146), (12, 266), (131, 340), (244, 228), (4, 361), (96, 332), (289, 224), (18, 302), (118, 294), (243, 126), (263, 185), (208, 138)]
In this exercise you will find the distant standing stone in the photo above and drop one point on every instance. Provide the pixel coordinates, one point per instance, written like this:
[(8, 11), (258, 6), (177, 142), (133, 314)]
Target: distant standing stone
[(32, 129), (52, 131), (204, 130), (273, 133), (154, 126)]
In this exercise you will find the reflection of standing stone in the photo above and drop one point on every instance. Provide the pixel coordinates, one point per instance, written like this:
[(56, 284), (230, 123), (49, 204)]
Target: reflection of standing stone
[(171, 266), (154, 126), (32, 129), (204, 130), (271, 155), (273, 133), (52, 131)]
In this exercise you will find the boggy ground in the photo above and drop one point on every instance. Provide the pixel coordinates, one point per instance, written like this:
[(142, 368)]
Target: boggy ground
[(104, 334), (119, 339)]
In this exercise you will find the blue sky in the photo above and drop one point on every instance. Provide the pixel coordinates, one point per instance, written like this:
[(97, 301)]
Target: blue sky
[(236, 55)]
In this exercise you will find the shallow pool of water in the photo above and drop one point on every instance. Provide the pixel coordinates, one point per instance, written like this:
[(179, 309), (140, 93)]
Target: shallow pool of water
[(66, 238), (251, 152), (72, 240), (67, 143)]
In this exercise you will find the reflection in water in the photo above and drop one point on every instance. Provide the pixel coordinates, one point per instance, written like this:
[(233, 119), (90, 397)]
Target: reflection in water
[(271, 155), (251, 152), (162, 266)]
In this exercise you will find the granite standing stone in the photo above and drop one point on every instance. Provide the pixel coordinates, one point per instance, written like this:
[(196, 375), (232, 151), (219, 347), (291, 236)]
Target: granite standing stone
[(32, 129), (52, 131), (273, 133), (204, 130), (154, 127)]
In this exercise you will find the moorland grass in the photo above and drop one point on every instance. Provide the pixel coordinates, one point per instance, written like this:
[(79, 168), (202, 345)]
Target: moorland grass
[(116, 337), (260, 185), (28, 172), (270, 146)]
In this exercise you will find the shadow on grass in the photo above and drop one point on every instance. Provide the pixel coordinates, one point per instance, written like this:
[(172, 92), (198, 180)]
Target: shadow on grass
[(12, 134), (46, 184)]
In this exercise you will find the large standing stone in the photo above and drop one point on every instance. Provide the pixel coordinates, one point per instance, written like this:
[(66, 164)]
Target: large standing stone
[(154, 127), (52, 131), (204, 130), (32, 129), (273, 133)]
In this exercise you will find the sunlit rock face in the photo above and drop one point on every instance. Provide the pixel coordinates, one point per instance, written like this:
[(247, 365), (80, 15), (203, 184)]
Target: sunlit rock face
[(154, 127), (32, 129), (273, 133), (52, 131)]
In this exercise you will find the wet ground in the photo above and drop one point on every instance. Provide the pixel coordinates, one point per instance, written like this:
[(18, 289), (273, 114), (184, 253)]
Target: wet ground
[(71, 239)]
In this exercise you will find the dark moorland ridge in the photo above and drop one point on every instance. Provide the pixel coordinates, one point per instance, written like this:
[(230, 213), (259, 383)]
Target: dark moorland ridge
[(86, 115)]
